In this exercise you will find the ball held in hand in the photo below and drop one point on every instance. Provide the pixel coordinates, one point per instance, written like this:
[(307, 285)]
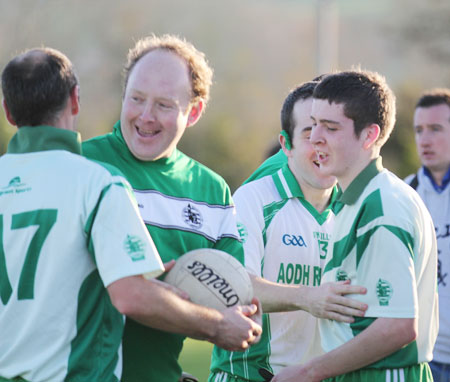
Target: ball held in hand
[(212, 278)]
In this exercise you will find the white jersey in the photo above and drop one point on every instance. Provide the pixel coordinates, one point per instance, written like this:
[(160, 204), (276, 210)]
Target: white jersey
[(68, 228), (438, 203), (285, 241), (384, 240)]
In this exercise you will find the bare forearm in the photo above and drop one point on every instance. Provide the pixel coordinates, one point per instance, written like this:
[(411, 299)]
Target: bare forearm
[(159, 305), (325, 301), (159, 308), (278, 297), (382, 338)]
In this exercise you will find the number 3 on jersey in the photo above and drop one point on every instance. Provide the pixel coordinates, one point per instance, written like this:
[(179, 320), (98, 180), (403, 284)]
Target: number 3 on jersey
[(44, 219)]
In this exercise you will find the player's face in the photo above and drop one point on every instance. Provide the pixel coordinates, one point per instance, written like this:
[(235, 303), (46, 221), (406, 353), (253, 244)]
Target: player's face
[(338, 149), (302, 157), (156, 108), (432, 132)]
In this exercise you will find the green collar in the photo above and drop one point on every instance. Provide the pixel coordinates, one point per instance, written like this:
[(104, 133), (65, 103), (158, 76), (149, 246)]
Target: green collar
[(288, 187), (128, 155), (30, 139), (291, 188), (357, 186)]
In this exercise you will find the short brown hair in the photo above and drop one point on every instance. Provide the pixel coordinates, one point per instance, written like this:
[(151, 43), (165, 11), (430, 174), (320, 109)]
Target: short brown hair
[(36, 86), (199, 70), (301, 92), (366, 98), (434, 97)]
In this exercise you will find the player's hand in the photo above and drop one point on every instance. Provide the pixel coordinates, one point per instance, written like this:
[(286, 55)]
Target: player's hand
[(169, 265), (237, 330), (297, 373), (256, 317), (328, 301)]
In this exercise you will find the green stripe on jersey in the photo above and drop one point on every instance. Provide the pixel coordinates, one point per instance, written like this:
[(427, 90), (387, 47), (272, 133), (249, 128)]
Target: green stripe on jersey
[(245, 364), (370, 209), (269, 213), (95, 333)]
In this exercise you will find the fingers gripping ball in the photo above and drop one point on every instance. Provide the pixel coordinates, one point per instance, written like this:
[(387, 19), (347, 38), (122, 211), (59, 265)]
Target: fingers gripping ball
[(212, 278)]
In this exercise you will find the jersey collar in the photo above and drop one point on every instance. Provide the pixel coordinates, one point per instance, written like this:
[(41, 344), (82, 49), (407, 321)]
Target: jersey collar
[(445, 179), (288, 187), (286, 183), (357, 186), (43, 138)]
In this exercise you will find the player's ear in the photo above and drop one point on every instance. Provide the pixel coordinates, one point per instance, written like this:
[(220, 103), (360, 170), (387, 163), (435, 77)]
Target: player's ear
[(370, 135), (8, 114), (195, 112), (285, 141), (75, 100)]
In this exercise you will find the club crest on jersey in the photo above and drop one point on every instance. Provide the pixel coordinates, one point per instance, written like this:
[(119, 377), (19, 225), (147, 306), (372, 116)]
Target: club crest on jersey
[(243, 233), (384, 292), (134, 247), (192, 216), (341, 275)]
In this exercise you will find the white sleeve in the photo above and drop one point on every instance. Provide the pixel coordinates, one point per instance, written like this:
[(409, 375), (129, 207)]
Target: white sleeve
[(251, 225), (388, 269), (121, 243)]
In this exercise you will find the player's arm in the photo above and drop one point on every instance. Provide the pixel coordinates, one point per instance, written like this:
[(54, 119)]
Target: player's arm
[(324, 301), (115, 233), (382, 338), (153, 303)]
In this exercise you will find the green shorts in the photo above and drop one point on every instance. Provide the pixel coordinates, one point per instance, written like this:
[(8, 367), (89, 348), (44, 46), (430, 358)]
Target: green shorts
[(221, 376), (416, 373)]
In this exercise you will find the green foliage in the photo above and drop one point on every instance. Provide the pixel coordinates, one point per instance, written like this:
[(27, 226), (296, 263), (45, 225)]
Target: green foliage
[(399, 153), (6, 132), (195, 358)]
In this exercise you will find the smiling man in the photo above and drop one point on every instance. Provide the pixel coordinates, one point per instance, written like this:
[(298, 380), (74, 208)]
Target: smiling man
[(383, 239), (432, 182), (184, 204)]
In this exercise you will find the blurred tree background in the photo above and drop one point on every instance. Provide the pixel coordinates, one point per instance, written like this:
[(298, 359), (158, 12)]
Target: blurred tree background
[(259, 50)]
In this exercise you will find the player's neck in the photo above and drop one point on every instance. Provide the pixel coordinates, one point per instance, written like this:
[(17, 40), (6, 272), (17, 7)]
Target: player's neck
[(318, 198), (438, 175), (348, 176)]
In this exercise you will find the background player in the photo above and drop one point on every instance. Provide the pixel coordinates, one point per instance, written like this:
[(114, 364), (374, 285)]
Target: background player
[(432, 132)]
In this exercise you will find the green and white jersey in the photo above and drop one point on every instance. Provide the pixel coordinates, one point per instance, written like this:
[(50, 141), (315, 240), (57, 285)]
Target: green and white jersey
[(69, 227), (285, 241), (384, 240), (270, 166), (185, 206)]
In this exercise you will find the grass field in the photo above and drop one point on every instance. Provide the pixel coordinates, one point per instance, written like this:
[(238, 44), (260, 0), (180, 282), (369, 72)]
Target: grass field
[(195, 358)]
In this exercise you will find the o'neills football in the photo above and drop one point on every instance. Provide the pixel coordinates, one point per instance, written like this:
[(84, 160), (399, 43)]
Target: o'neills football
[(212, 278)]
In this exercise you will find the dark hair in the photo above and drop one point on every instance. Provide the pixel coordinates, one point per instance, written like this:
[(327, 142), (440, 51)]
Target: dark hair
[(301, 92), (366, 97), (36, 86), (434, 97), (199, 70)]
